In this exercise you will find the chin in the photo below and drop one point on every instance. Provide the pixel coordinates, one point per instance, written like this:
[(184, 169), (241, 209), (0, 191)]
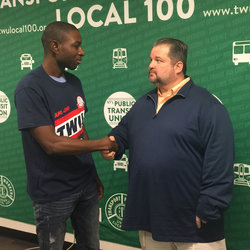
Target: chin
[(72, 67), (156, 84)]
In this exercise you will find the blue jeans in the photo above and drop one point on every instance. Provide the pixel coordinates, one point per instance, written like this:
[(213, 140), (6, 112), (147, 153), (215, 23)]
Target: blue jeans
[(83, 210)]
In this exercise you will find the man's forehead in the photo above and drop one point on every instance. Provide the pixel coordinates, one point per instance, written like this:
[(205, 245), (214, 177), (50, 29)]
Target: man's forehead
[(160, 49), (73, 35)]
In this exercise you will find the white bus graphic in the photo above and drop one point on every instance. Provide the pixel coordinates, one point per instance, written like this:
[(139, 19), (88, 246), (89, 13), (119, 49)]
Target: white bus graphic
[(122, 163), (241, 52), (120, 58), (242, 174), (26, 61)]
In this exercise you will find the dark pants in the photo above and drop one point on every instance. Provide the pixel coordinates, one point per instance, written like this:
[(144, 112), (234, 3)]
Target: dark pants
[(83, 210)]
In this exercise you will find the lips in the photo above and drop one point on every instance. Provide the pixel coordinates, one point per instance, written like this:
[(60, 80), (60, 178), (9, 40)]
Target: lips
[(151, 73)]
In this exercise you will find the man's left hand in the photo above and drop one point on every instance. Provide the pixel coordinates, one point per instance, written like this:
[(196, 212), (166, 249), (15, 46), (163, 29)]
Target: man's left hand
[(199, 222), (99, 187)]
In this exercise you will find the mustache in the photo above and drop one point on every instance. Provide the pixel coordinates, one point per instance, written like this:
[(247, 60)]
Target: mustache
[(151, 71)]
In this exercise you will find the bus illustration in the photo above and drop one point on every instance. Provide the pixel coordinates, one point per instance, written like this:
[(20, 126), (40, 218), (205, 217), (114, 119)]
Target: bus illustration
[(122, 163), (242, 174), (120, 58), (26, 61), (241, 52)]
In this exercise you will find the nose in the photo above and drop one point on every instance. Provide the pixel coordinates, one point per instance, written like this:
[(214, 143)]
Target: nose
[(151, 65), (81, 52)]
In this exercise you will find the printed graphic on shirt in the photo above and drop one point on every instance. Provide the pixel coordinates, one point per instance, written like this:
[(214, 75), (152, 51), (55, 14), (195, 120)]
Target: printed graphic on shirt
[(114, 210), (70, 124), (242, 174), (7, 192)]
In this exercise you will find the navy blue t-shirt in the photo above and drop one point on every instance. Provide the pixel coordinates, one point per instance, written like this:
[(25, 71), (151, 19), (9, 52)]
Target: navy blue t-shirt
[(42, 101)]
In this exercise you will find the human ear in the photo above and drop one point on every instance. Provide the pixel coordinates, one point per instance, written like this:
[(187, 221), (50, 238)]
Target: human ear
[(179, 67), (54, 46)]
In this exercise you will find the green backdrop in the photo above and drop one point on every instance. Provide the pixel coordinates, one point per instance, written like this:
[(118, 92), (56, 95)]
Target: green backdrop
[(117, 40)]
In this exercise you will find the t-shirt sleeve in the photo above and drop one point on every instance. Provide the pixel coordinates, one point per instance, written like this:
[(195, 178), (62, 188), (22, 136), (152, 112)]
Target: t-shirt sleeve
[(32, 110)]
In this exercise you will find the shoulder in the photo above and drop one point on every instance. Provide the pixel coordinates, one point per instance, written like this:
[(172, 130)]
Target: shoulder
[(210, 107), (28, 80), (71, 77), (201, 94)]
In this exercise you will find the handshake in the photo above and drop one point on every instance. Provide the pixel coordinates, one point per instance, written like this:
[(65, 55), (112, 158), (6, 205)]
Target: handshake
[(109, 153)]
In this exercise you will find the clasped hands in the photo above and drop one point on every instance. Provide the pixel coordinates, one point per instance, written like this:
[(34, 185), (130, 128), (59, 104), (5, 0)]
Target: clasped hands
[(113, 147)]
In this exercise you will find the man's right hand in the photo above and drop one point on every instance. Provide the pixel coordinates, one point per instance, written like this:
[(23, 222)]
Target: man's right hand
[(111, 143), (109, 154)]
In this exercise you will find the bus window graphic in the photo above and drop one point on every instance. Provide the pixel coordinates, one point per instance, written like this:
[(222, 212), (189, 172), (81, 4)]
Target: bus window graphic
[(241, 52), (120, 58), (242, 174)]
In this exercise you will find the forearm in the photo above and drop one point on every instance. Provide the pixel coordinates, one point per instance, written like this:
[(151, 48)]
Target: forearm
[(72, 146), (54, 144)]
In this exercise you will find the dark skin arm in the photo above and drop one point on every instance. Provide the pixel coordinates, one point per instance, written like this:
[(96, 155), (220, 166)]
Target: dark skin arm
[(54, 144)]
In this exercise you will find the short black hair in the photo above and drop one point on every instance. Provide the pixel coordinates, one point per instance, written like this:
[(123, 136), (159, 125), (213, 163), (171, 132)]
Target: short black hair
[(177, 50), (55, 31)]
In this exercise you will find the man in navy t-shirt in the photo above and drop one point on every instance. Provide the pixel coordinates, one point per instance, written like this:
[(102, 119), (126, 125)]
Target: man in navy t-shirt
[(62, 179)]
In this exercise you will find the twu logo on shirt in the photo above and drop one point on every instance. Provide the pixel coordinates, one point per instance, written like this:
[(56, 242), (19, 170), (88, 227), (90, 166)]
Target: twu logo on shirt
[(71, 124)]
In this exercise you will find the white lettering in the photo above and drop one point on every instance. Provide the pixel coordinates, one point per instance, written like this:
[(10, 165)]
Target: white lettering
[(58, 15), (148, 3), (127, 19), (82, 17), (20, 1), (189, 12), (170, 10), (5, 3), (90, 19), (112, 16)]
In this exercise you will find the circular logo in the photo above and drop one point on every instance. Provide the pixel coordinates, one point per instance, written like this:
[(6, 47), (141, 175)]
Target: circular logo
[(114, 210), (4, 107), (80, 102), (7, 192), (116, 106)]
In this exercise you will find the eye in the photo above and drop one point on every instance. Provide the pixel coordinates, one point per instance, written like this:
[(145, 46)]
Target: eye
[(158, 60), (76, 45)]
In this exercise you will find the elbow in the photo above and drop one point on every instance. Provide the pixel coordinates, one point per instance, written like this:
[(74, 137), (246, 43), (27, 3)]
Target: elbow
[(50, 149)]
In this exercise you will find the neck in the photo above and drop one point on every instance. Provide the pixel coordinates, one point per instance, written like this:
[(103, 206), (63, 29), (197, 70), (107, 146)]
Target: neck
[(52, 68), (164, 88)]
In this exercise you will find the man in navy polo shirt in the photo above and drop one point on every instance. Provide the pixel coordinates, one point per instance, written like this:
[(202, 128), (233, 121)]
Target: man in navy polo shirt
[(181, 156)]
